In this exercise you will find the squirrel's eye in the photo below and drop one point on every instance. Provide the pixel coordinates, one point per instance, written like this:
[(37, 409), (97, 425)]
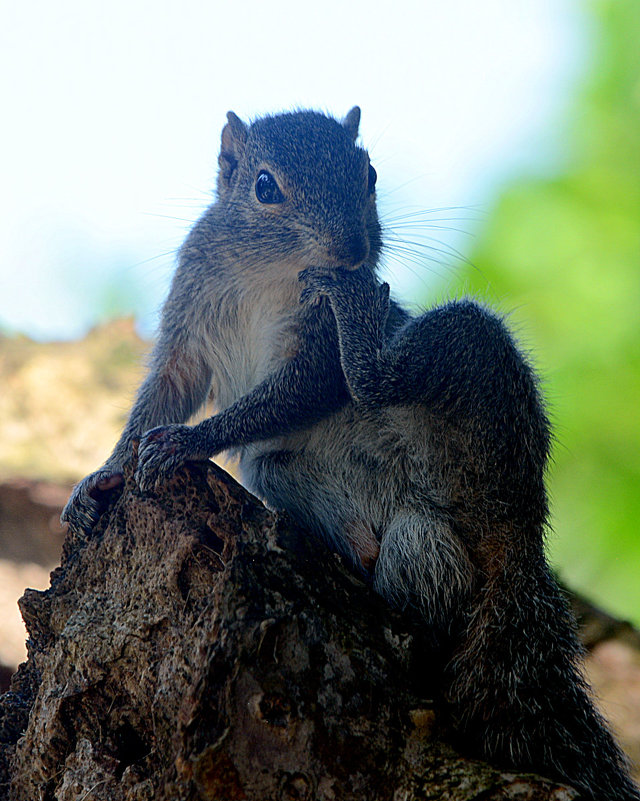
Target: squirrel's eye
[(267, 190), (373, 177)]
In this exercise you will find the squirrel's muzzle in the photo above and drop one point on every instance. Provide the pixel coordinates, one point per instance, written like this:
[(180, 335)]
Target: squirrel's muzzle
[(349, 252)]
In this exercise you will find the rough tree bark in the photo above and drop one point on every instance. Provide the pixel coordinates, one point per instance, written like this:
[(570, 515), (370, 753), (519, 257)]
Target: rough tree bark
[(200, 647)]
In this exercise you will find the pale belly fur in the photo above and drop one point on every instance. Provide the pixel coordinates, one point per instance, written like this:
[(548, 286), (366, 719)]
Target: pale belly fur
[(374, 486)]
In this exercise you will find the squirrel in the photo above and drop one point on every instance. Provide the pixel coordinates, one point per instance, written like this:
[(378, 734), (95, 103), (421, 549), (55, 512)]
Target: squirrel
[(416, 447)]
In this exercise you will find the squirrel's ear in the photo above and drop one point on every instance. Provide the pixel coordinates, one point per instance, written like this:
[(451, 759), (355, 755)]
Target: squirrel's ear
[(351, 122), (234, 136)]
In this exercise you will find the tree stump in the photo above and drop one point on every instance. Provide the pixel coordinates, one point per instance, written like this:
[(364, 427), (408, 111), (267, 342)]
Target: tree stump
[(198, 646)]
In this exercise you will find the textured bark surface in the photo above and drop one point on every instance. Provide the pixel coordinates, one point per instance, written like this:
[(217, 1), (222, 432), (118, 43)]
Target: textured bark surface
[(200, 647)]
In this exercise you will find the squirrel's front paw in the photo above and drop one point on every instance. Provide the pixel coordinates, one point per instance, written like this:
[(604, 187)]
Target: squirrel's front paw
[(162, 451), (345, 288), (318, 282), (90, 498)]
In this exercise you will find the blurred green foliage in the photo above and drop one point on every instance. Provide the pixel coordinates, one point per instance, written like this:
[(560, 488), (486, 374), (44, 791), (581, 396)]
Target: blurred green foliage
[(563, 252)]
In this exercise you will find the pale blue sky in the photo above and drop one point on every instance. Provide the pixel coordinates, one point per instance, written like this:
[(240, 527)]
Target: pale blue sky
[(112, 114)]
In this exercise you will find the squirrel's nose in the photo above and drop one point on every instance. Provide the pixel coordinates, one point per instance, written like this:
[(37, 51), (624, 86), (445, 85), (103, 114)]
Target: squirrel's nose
[(350, 251)]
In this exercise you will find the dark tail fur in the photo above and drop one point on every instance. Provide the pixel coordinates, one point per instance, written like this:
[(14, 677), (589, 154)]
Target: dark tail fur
[(517, 690)]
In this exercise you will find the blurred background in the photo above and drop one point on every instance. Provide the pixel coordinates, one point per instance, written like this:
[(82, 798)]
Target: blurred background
[(506, 136)]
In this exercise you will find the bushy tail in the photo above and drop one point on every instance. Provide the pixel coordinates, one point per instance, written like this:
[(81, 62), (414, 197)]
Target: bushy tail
[(516, 687)]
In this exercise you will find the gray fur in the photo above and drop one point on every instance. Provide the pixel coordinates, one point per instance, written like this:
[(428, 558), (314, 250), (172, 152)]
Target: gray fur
[(416, 447)]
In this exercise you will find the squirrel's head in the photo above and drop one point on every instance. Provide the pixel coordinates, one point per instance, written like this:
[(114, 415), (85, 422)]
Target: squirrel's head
[(302, 188)]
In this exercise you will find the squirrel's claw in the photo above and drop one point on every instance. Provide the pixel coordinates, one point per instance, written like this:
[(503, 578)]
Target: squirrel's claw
[(89, 499), (161, 452)]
